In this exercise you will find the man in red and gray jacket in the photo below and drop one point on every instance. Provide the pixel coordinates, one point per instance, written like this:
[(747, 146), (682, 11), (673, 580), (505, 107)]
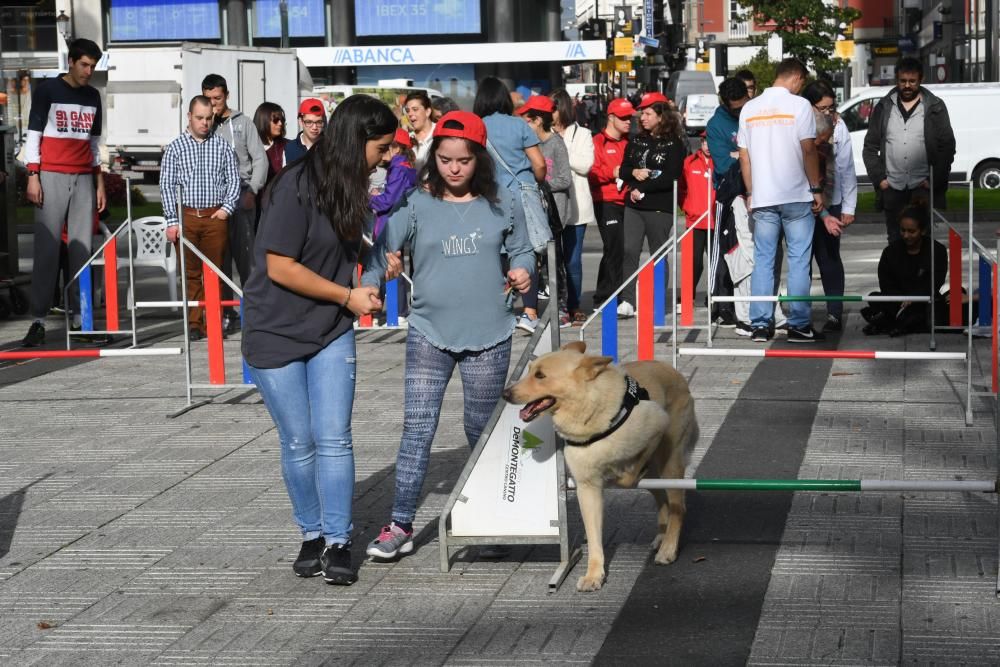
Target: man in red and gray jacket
[(607, 190), (64, 178)]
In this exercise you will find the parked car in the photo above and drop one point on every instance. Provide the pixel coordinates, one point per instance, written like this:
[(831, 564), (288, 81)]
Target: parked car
[(976, 127)]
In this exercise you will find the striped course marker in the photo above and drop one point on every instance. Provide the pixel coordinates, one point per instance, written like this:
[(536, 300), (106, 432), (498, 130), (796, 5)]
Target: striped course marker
[(832, 485), (853, 298), (84, 354), (819, 354)]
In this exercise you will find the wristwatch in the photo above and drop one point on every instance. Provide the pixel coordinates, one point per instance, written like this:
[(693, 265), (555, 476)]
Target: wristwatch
[(816, 191), (32, 172)]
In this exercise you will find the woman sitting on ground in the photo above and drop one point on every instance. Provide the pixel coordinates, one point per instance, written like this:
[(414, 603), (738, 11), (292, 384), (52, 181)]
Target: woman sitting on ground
[(905, 270)]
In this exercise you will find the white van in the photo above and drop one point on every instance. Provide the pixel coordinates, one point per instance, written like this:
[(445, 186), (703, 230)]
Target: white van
[(394, 96), (971, 107), (698, 109)]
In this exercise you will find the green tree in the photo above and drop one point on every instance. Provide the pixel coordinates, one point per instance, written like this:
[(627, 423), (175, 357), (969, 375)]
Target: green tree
[(762, 68), (808, 28)]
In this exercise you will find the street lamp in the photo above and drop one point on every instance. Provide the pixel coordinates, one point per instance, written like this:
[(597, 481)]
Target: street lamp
[(63, 26)]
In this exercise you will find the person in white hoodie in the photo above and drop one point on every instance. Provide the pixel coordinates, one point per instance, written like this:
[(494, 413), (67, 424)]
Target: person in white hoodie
[(580, 145)]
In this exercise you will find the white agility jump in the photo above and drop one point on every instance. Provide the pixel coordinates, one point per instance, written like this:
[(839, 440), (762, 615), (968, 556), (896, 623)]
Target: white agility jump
[(84, 354)]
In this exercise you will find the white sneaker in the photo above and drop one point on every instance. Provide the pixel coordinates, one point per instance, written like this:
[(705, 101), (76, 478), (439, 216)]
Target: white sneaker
[(525, 323), (625, 310)]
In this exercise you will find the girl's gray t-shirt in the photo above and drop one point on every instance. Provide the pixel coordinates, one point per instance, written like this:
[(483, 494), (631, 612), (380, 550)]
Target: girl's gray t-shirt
[(459, 298)]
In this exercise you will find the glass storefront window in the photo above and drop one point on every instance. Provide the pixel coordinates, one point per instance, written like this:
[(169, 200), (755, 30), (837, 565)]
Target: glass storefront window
[(28, 28)]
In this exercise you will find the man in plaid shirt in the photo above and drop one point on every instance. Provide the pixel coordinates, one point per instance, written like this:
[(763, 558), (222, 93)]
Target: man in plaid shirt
[(204, 166)]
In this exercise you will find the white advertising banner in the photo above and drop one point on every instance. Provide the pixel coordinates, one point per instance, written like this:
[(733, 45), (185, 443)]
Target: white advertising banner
[(441, 54), (513, 488)]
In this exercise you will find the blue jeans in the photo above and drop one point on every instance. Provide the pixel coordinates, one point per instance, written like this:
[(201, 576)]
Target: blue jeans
[(797, 222), (428, 369), (572, 240), (310, 401)]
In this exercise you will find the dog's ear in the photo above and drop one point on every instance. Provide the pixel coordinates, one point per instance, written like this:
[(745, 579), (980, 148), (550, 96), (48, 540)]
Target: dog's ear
[(592, 366), (575, 346)]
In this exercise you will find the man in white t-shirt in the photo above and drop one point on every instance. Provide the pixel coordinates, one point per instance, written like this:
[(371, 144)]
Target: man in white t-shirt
[(780, 168)]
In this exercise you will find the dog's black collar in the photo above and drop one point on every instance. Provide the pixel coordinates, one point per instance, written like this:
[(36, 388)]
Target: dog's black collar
[(633, 394)]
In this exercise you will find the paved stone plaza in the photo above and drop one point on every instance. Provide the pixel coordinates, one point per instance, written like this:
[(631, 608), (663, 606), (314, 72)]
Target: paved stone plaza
[(130, 538)]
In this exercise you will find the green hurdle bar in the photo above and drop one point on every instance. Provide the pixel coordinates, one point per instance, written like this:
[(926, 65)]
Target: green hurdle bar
[(831, 485)]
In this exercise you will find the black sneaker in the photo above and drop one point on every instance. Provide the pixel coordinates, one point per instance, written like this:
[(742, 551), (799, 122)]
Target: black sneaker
[(195, 335), (743, 329), (336, 561), (726, 319), (307, 564), (832, 324), (230, 322), (760, 334), (35, 335), (804, 334)]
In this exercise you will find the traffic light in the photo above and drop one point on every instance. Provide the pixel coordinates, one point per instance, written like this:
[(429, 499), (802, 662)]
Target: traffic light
[(703, 55), (609, 47)]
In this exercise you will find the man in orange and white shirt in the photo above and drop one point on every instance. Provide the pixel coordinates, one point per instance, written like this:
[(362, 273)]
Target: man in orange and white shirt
[(780, 168)]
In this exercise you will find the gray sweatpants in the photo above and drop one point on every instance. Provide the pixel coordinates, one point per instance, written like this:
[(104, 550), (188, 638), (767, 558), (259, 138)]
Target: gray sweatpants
[(69, 199)]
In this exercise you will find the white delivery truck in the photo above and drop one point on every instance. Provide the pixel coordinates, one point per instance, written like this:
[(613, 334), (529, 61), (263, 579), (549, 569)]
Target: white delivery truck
[(149, 88), (976, 127)]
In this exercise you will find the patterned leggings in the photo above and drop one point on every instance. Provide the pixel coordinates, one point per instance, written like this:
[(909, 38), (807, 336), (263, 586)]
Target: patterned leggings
[(428, 370)]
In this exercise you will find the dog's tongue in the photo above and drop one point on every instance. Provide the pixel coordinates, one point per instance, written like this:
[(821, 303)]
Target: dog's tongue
[(533, 409)]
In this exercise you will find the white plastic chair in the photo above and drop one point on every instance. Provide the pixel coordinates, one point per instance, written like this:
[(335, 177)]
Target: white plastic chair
[(152, 250)]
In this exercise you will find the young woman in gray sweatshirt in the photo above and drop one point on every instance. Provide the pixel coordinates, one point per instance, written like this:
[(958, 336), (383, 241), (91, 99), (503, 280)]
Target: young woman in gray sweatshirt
[(457, 224)]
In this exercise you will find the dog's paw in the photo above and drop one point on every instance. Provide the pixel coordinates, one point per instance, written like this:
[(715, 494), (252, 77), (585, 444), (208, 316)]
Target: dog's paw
[(665, 558), (588, 583), (656, 542)]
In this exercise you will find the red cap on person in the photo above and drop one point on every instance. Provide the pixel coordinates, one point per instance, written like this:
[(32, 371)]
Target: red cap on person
[(536, 103), (313, 106), (403, 138), (649, 99), (468, 126), (621, 108)]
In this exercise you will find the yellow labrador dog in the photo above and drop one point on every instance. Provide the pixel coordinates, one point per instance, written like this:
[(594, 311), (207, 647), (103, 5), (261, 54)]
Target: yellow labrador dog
[(619, 424)]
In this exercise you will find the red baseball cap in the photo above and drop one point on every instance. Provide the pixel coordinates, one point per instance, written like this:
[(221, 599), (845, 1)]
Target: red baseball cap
[(649, 99), (621, 108), (537, 103), (470, 126), (313, 106), (403, 138)]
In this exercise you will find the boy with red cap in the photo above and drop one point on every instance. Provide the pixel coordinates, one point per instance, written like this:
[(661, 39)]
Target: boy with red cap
[(609, 196), (312, 120)]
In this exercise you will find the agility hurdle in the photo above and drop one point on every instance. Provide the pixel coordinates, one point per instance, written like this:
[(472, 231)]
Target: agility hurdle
[(515, 475), (108, 251), (87, 354), (392, 301), (650, 311), (820, 485), (848, 298), (821, 354)]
